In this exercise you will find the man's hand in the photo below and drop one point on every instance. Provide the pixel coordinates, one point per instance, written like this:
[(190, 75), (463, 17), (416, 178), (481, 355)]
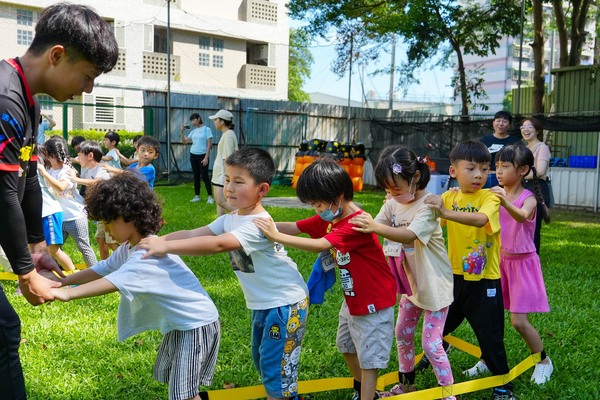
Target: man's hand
[(36, 289)]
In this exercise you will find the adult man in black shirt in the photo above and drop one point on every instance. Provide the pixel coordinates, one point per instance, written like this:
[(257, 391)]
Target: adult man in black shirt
[(72, 46), (497, 140)]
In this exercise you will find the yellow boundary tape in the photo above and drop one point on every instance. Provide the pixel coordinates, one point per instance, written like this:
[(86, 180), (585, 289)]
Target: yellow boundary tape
[(9, 276), (328, 384)]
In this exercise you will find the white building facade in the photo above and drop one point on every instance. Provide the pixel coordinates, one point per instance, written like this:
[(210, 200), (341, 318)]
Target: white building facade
[(230, 48)]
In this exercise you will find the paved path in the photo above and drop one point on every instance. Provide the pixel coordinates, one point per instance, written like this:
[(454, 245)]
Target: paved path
[(288, 202)]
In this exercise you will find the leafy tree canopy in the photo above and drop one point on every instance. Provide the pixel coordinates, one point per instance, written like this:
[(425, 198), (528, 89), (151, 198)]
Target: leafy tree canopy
[(300, 62)]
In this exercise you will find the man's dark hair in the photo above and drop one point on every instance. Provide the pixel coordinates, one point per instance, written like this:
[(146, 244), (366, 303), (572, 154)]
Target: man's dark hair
[(472, 151), (125, 195), (324, 180), (149, 141), (257, 162), (80, 30), (113, 137), (89, 146), (504, 114)]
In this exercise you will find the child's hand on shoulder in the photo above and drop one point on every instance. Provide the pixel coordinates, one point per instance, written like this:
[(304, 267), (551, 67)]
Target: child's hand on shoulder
[(500, 193), (436, 203), (155, 246), (363, 223), (267, 226)]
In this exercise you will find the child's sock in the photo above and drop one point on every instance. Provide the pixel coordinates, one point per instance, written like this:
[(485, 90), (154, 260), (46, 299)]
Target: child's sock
[(407, 378), (357, 386)]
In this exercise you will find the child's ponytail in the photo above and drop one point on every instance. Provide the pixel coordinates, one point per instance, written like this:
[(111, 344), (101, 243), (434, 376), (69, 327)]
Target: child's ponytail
[(538, 195)]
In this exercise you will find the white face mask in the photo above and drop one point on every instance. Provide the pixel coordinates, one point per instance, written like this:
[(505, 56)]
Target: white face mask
[(408, 196)]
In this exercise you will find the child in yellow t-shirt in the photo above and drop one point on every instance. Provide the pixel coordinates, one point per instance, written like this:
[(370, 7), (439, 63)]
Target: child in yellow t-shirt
[(471, 215)]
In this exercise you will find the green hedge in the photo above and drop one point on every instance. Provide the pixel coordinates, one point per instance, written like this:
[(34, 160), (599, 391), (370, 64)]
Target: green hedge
[(125, 144)]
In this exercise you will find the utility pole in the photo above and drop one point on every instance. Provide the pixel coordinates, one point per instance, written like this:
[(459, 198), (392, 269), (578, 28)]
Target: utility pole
[(168, 102), (392, 68), (350, 82)]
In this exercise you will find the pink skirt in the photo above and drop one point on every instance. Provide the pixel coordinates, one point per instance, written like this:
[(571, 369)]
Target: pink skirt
[(523, 288), (397, 268)]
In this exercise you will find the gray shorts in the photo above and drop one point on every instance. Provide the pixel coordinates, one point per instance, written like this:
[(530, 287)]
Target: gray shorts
[(187, 359), (369, 336)]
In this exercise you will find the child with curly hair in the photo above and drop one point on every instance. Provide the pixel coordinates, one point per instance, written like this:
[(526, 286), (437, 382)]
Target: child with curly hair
[(156, 292)]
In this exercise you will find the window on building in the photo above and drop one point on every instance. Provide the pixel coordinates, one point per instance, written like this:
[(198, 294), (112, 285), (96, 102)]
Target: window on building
[(105, 109), (257, 53), (160, 40), (218, 45), (217, 62), (24, 17), (204, 59), (204, 42), (24, 37)]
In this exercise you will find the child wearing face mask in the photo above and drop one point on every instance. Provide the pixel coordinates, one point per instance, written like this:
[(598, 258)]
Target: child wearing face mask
[(417, 255), (366, 318)]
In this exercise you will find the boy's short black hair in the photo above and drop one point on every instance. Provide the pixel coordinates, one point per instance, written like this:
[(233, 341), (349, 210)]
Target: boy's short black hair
[(149, 141), (83, 33), (470, 150), (257, 162), (136, 138), (89, 146), (124, 195), (113, 137), (76, 141), (504, 114), (324, 180)]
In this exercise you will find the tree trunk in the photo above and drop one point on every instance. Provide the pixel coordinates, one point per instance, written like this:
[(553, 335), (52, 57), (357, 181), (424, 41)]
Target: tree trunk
[(579, 15), (563, 37), (538, 56), (462, 79)]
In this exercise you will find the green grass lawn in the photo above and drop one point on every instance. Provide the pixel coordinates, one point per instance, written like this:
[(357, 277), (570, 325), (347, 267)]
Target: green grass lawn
[(70, 350)]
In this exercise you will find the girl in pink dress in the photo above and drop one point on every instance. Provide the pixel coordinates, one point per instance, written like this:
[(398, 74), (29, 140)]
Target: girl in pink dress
[(523, 288)]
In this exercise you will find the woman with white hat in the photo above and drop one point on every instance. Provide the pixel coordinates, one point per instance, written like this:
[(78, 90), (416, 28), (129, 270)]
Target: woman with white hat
[(223, 121)]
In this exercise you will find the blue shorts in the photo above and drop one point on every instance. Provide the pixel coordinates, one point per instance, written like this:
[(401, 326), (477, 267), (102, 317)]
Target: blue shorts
[(53, 228), (276, 342)]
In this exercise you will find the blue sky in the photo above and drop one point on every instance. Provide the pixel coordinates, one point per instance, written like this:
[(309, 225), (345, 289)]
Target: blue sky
[(434, 83)]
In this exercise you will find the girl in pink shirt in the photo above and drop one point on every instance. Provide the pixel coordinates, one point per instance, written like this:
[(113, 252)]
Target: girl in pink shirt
[(523, 289)]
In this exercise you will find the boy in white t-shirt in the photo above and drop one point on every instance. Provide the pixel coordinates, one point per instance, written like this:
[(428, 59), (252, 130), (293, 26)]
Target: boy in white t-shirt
[(111, 141), (274, 289), (156, 292)]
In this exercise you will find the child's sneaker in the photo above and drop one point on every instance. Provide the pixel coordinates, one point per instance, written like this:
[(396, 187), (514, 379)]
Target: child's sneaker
[(398, 389), (478, 369), (195, 199), (503, 393), (210, 200), (542, 372)]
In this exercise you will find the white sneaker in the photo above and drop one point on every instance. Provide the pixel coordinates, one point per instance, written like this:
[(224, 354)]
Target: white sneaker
[(542, 372), (210, 200), (195, 199), (478, 369)]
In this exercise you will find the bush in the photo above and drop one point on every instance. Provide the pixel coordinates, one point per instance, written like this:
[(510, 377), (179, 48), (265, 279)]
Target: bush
[(125, 144)]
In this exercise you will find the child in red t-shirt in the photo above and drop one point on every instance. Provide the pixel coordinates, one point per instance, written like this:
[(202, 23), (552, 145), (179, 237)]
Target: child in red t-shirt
[(366, 320)]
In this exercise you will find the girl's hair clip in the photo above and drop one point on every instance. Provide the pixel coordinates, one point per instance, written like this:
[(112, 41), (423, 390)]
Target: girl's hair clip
[(423, 160), (396, 168)]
